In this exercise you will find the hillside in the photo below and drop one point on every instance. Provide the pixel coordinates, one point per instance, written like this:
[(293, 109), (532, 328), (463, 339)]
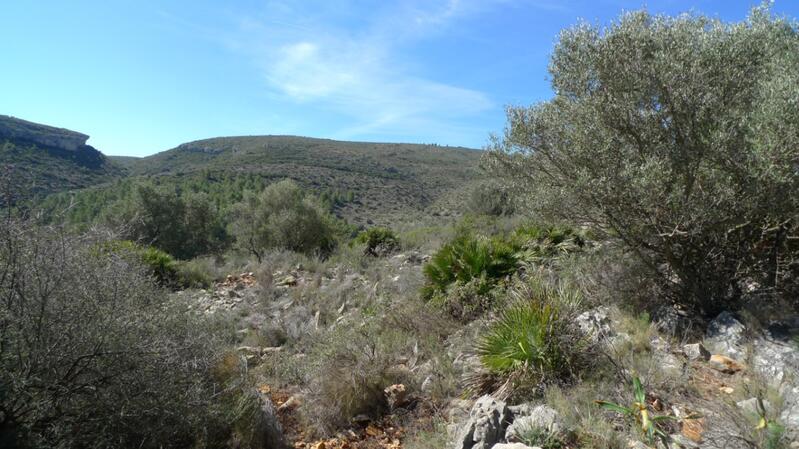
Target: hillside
[(42, 159), (367, 182)]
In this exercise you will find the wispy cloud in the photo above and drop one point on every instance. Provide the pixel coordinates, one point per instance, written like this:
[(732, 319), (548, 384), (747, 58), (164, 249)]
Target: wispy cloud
[(347, 61)]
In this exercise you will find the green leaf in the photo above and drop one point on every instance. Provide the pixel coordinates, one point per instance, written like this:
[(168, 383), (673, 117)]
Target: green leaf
[(640, 396), (614, 407)]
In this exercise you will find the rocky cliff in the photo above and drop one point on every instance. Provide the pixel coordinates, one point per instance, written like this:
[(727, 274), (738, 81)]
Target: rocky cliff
[(12, 128)]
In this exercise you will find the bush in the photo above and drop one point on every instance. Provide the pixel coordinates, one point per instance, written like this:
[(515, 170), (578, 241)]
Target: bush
[(678, 136), (490, 198), (354, 366), (282, 217), (379, 241), (468, 257), (463, 273), (157, 263), (93, 353), (184, 225), (533, 341)]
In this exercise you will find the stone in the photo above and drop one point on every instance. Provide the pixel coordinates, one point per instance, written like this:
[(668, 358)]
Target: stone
[(672, 320), (595, 324), (396, 396), (486, 425), (725, 364), (696, 351), (693, 429), (789, 417), (750, 407), (266, 428), (295, 401), (539, 417), (725, 336), (775, 361)]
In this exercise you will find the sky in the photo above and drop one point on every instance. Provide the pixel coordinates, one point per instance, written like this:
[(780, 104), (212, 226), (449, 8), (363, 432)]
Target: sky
[(143, 76)]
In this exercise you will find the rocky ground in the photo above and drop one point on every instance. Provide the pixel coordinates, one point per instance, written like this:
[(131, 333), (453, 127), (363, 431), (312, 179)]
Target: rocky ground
[(720, 383)]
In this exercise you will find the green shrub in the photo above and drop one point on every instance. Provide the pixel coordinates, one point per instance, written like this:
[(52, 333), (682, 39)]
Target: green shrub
[(490, 198), (156, 262), (679, 136), (194, 274), (463, 273), (468, 257), (532, 342), (468, 301), (283, 216), (379, 241)]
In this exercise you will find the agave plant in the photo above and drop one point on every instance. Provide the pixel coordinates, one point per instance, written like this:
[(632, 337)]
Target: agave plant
[(645, 420)]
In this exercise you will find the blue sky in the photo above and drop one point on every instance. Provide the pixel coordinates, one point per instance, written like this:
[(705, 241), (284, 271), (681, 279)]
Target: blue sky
[(144, 76)]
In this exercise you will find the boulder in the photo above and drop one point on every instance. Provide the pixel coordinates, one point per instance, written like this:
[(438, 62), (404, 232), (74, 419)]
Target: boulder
[(538, 417), (595, 324), (775, 361), (789, 417), (725, 336), (396, 396), (486, 425), (749, 406), (696, 351), (265, 427), (725, 364)]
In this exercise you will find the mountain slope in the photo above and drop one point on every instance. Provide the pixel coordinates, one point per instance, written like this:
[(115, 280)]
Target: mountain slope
[(381, 182), (41, 159)]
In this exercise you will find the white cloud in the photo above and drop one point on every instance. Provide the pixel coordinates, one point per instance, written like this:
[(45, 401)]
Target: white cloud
[(347, 60)]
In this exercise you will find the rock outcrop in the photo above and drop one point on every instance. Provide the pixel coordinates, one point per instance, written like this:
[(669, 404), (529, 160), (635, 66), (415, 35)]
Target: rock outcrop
[(16, 129), (486, 426)]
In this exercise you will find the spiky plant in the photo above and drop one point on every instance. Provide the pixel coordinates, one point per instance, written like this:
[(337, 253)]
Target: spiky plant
[(465, 258), (531, 343)]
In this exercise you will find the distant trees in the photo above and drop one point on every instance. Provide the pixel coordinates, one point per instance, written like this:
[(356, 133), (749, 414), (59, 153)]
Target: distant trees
[(282, 216), (680, 136)]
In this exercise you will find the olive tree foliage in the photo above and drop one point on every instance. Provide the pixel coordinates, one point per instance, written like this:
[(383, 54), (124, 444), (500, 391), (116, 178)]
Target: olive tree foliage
[(94, 355), (184, 224), (679, 136), (282, 216)]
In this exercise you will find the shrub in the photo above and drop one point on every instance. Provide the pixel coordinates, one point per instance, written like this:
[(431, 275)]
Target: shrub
[(463, 273), (184, 225), (678, 136), (490, 198), (354, 366), (379, 241), (538, 244), (468, 257), (282, 217), (533, 341), (157, 263), (93, 354)]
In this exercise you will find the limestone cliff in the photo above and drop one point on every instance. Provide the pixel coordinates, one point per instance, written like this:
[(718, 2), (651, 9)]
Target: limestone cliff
[(12, 128)]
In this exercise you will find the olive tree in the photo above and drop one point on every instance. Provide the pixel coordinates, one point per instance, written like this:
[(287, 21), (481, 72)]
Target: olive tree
[(677, 135), (94, 355), (282, 216)]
